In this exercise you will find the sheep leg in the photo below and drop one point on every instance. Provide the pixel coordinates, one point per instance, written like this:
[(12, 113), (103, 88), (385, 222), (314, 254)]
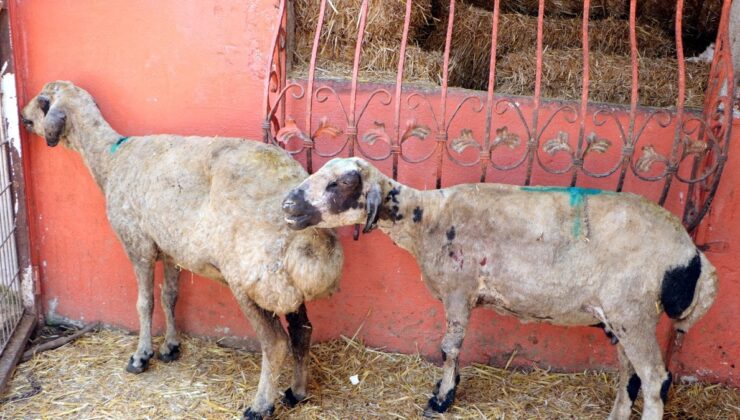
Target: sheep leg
[(644, 354), (457, 312), (274, 343), (627, 389), (300, 330), (144, 269), (170, 349)]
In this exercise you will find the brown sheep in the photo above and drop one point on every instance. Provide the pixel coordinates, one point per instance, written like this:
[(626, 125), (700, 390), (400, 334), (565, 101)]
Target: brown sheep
[(212, 206), (567, 256)]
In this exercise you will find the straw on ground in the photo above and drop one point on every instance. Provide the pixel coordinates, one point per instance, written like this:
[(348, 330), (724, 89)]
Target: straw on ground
[(85, 380)]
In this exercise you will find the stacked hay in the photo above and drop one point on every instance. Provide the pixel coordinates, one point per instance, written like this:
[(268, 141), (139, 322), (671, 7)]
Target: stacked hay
[(471, 40), (610, 78), (599, 8), (379, 62), (609, 45), (700, 20), (518, 32), (381, 45)]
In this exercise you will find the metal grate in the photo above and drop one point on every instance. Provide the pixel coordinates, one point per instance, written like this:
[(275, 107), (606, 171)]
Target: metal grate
[(679, 151), (11, 303)]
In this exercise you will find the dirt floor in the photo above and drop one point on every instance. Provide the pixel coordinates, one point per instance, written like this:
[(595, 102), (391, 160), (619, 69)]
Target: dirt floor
[(86, 379)]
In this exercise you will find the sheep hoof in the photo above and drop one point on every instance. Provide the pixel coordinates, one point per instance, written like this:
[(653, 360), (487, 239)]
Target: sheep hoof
[(291, 400), (172, 354), (437, 405), (143, 364), (253, 415)]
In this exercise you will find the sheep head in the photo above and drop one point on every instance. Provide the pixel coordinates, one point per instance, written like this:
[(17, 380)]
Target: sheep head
[(47, 114), (343, 192)]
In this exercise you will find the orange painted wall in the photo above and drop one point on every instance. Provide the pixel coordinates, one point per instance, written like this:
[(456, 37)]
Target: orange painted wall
[(197, 68)]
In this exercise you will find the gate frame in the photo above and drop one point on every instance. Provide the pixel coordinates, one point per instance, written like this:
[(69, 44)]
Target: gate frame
[(27, 274), (707, 143)]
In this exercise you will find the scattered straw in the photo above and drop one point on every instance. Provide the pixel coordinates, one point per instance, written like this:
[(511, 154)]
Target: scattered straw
[(610, 78), (86, 379)]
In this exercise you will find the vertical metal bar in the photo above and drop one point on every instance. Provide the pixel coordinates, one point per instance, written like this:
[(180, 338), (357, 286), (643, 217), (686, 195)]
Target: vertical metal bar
[(266, 135), (533, 135), (578, 157), (485, 155), (287, 28), (629, 148), (673, 163), (396, 140), (10, 302), (22, 203), (310, 85), (442, 135), (351, 124)]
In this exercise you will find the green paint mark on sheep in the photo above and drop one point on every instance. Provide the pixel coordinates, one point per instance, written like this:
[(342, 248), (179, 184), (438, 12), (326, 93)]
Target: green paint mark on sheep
[(118, 144), (577, 201)]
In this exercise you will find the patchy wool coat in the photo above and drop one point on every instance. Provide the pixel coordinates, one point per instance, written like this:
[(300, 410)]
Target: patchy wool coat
[(567, 256), (210, 205)]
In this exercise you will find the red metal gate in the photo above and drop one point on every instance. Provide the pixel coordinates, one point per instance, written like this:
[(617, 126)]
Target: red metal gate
[(680, 151)]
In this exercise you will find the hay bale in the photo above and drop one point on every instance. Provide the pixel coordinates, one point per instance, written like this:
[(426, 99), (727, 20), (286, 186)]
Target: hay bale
[(610, 78), (700, 20), (381, 45), (599, 8), (471, 40), (384, 21), (379, 62)]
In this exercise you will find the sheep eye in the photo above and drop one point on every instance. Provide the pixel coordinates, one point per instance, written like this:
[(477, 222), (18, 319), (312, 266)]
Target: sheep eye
[(331, 185)]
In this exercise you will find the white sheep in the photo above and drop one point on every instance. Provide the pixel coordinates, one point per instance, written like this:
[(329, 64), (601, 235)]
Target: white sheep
[(209, 205), (567, 256)]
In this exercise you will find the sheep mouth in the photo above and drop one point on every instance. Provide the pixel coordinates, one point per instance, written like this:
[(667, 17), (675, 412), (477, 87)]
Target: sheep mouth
[(302, 221)]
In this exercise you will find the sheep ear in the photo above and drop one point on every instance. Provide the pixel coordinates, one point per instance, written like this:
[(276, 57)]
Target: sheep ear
[(372, 205), (44, 103), (54, 125)]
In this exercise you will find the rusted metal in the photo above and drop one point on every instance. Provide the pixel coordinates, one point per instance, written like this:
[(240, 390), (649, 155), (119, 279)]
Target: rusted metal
[(485, 155), (272, 81), (533, 141), (395, 141), (442, 136), (578, 158), (629, 147), (672, 167), (530, 127)]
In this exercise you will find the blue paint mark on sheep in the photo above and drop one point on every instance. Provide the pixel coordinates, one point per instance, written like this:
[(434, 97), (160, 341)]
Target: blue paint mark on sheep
[(118, 144), (577, 200)]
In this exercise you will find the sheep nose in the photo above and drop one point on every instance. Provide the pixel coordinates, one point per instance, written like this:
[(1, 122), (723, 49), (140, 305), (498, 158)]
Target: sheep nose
[(295, 201), (288, 204), (26, 122)]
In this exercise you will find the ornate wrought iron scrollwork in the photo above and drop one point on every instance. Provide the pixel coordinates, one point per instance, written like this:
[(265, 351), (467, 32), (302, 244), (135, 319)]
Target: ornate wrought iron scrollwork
[(529, 128)]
